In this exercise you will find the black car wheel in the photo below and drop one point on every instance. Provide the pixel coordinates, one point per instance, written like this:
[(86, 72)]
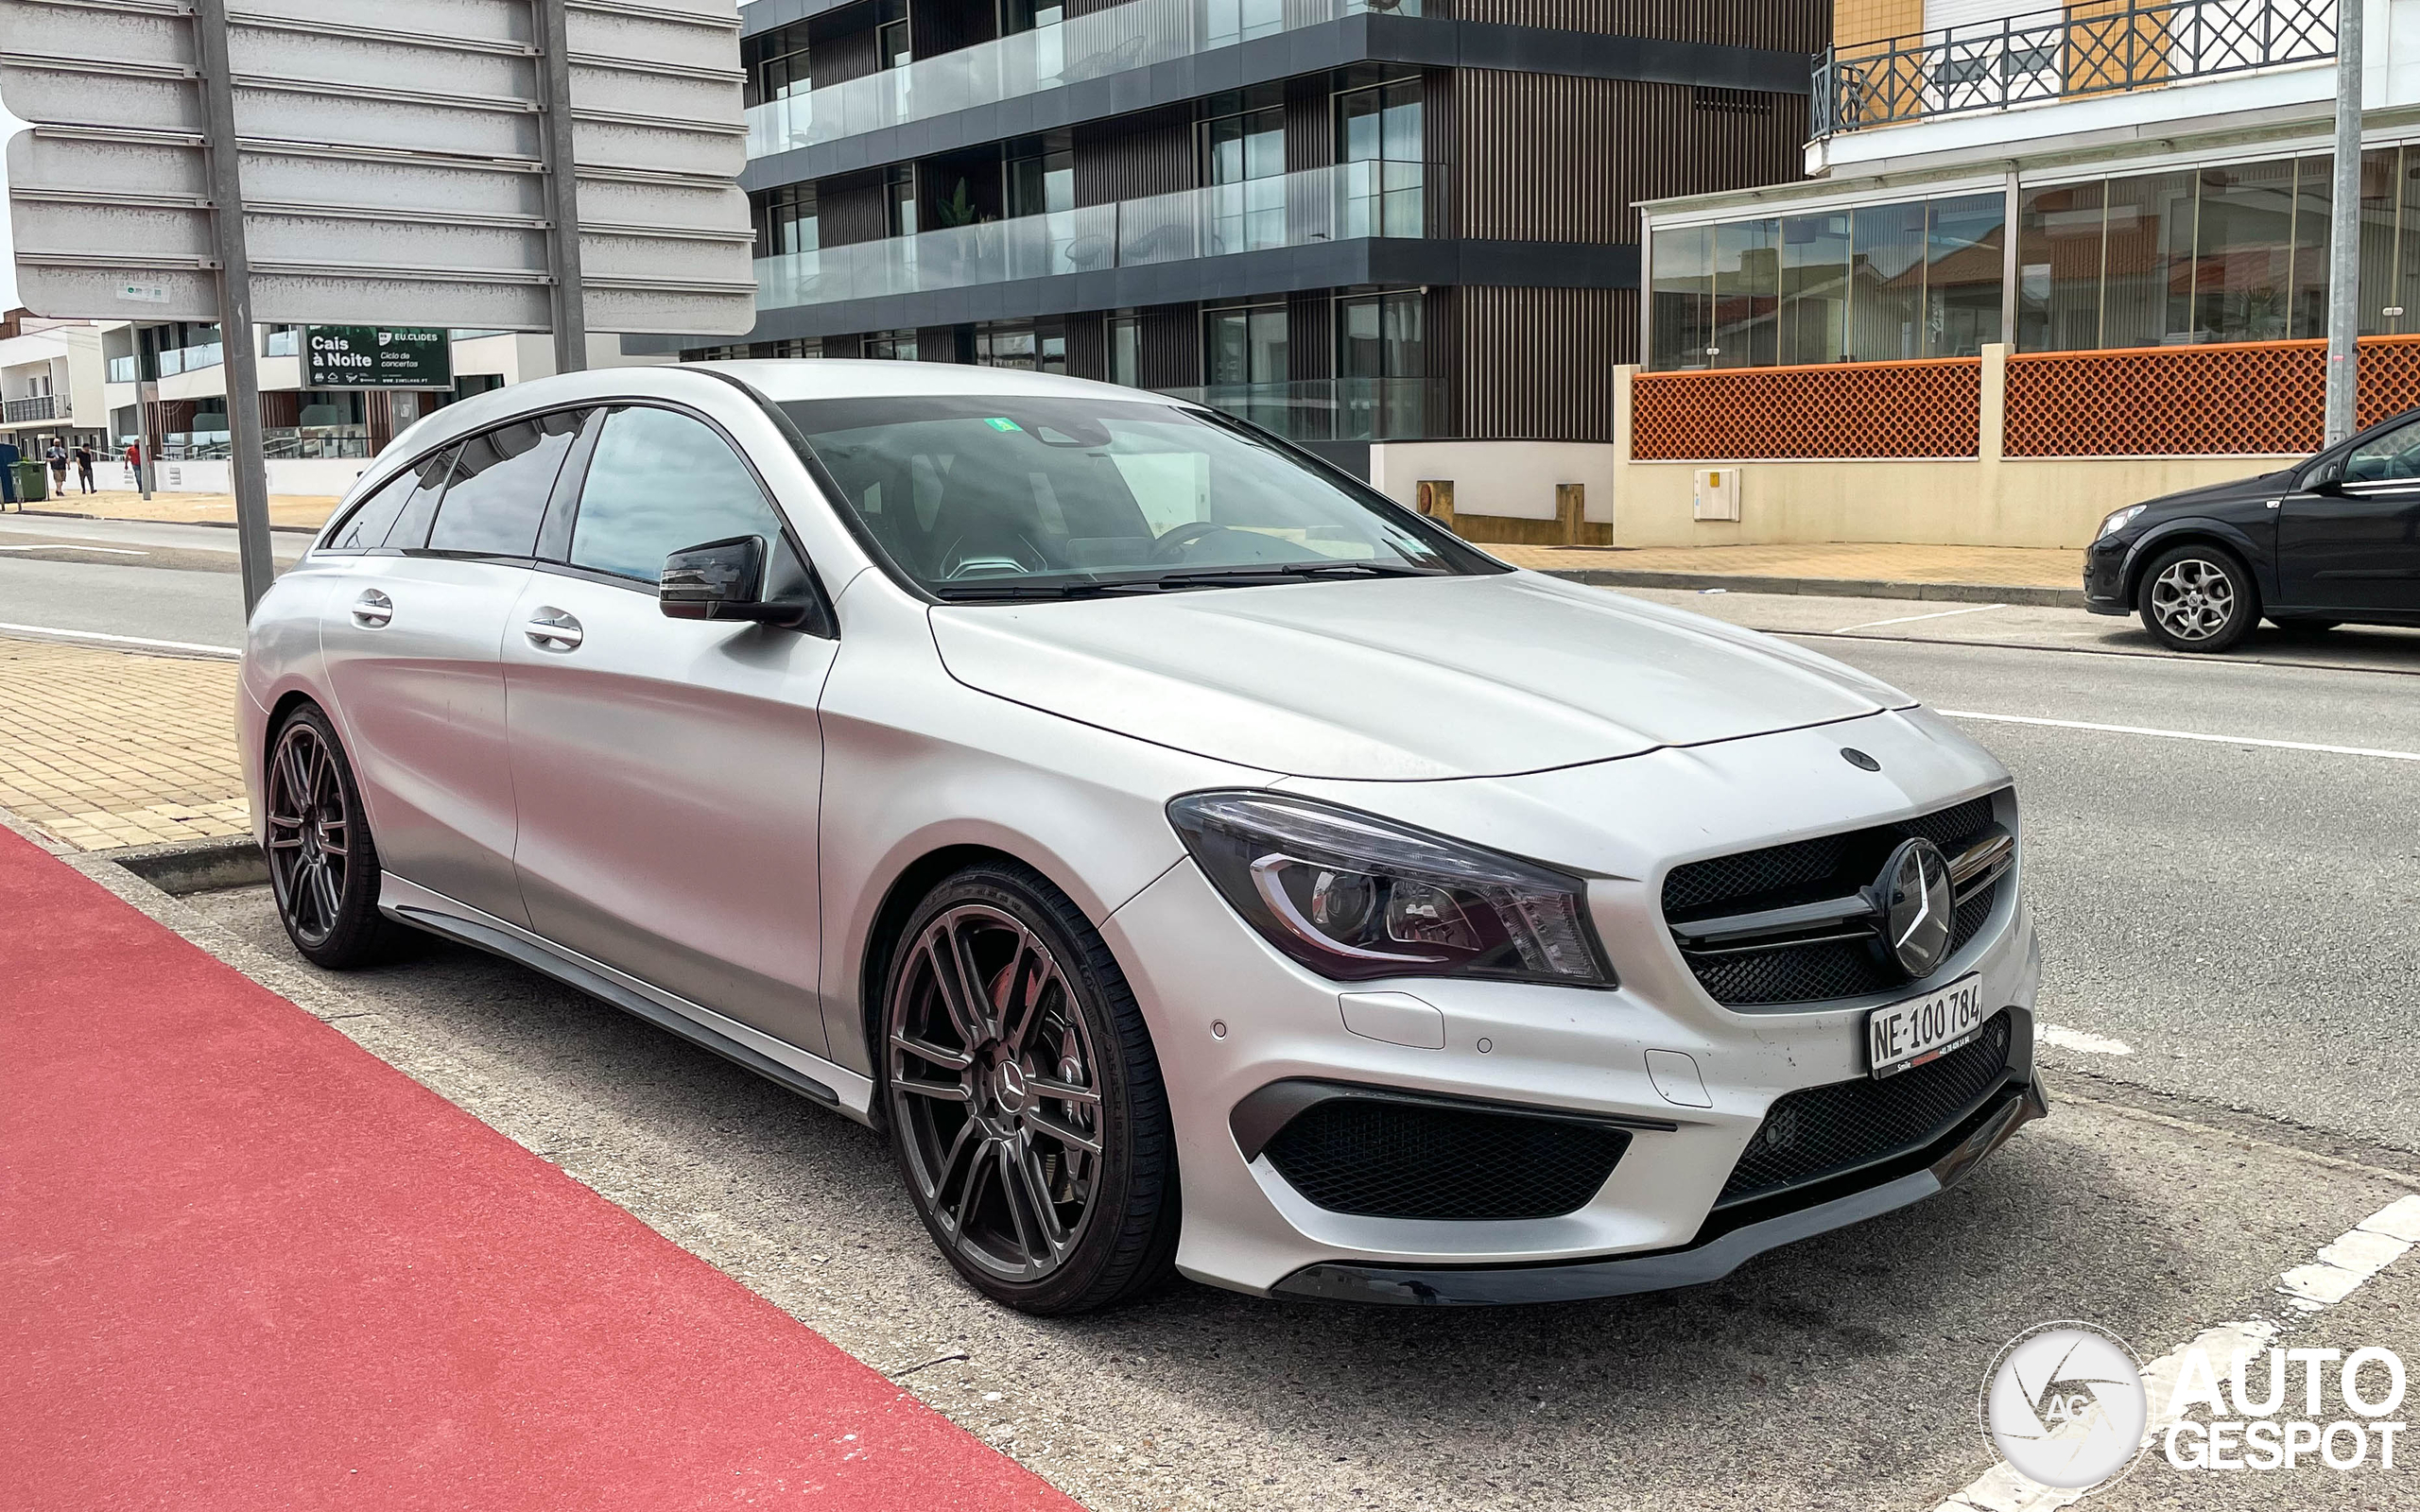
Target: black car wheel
[(2198, 598), (322, 864), (1024, 1099)]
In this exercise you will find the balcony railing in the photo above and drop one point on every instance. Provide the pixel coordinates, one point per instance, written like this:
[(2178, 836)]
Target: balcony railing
[(41, 406), (1345, 202), (1334, 409), (2097, 47), (1134, 35)]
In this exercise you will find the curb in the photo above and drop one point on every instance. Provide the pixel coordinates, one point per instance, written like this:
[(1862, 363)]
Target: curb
[(183, 867), (119, 519), (1833, 587)]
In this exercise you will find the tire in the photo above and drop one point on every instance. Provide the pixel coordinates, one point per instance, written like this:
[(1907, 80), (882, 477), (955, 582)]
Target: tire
[(2198, 598), (322, 861), (2299, 625), (1052, 1205)]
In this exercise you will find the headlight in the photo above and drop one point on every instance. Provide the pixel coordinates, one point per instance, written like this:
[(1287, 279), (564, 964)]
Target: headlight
[(2118, 521), (1354, 896)]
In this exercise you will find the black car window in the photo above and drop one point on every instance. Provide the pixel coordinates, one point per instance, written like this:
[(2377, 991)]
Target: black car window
[(410, 529), (658, 482), (500, 483), (2385, 459)]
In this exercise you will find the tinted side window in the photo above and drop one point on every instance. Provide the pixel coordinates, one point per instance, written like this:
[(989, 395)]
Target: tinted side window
[(2392, 456), (501, 480), (657, 482), (410, 530), (370, 520)]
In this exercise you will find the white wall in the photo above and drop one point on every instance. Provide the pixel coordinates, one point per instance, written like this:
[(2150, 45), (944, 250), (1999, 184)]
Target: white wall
[(306, 475), (1510, 479)]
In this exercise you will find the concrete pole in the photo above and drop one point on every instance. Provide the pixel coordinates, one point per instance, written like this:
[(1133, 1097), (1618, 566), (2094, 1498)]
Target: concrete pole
[(562, 190), (246, 467), (2344, 229)]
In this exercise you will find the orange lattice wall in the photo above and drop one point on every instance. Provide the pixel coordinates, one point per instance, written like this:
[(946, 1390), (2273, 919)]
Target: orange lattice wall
[(1837, 410), (2216, 401)]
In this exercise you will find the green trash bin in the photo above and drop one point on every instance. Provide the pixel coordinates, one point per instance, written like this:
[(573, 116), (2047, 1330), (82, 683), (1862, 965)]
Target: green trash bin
[(33, 482)]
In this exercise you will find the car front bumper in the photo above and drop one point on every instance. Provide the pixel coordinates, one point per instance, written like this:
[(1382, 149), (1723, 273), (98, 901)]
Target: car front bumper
[(2105, 576), (1230, 1018)]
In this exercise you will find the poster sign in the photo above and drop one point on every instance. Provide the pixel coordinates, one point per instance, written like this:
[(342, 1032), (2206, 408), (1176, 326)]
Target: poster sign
[(376, 357)]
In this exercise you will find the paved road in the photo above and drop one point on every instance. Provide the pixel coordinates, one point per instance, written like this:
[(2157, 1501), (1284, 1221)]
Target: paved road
[(2229, 913), (119, 577)]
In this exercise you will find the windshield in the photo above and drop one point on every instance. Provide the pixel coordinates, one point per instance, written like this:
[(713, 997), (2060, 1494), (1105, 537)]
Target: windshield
[(1015, 497)]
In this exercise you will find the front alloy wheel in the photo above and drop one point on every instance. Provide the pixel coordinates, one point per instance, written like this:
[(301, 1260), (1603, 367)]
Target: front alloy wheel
[(2196, 598), (1024, 1100)]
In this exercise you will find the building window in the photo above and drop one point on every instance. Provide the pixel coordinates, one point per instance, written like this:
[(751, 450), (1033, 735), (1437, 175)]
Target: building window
[(777, 65), (1029, 15), (899, 198), (896, 346), (1229, 21), (1379, 145), (785, 220), (1245, 346), (1017, 344), (1126, 349), (1040, 180), (1244, 164), (1875, 284)]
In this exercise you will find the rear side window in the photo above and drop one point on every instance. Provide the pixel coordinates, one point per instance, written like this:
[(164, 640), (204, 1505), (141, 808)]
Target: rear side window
[(370, 520), (501, 481), (659, 482), (410, 529)]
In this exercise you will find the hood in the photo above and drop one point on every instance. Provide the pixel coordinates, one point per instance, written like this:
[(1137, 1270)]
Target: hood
[(1399, 679), (2258, 486)]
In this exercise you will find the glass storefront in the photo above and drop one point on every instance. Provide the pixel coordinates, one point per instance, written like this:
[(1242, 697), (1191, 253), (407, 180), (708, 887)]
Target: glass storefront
[(2187, 256)]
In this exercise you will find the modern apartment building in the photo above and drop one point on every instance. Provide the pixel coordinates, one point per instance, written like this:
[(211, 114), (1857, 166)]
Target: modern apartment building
[(1400, 232)]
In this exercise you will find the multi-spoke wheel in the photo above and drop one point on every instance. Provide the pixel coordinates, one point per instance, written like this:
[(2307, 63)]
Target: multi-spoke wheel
[(1024, 1099), (322, 866), (2198, 598)]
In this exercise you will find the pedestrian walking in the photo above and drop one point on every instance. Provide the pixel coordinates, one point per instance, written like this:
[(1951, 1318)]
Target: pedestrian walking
[(57, 457), (134, 464), (84, 465)]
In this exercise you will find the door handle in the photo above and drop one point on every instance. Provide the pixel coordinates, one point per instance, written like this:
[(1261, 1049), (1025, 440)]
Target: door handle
[(551, 630), (372, 610)]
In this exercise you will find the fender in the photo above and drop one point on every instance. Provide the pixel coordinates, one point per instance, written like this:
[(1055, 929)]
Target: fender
[(2262, 561)]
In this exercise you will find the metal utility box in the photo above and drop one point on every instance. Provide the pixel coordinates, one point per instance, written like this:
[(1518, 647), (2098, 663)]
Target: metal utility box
[(1718, 494)]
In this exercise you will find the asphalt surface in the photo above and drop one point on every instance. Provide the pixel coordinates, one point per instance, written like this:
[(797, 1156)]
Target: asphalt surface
[(124, 577), (2226, 914)]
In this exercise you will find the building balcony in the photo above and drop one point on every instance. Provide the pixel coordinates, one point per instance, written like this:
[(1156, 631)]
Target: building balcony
[(41, 406), (1122, 38), (2044, 57), (1334, 409), (1347, 202)]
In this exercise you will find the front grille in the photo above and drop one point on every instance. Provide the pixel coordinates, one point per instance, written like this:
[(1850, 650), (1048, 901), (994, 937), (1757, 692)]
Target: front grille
[(1389, 1160), (1829, 866), (1823, 1131)]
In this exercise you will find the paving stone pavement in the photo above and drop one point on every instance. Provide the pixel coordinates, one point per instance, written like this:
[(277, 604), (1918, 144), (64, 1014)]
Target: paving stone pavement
[(1845, 560), (310, 510), (105, 748)]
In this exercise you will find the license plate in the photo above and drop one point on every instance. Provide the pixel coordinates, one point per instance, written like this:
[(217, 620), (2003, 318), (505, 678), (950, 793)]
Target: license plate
[(1903, 1034)]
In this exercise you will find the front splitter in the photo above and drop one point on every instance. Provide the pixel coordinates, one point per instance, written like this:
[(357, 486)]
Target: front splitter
[(1616, 1276)]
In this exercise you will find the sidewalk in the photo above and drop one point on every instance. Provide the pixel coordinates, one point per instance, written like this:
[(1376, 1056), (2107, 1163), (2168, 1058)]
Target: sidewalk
[(2020, 575), (105, 748), (249, 1264), (301, 511)]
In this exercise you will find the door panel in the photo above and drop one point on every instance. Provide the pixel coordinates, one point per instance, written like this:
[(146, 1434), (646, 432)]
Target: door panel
[(669, 773), (2357, 546), (411, 644)]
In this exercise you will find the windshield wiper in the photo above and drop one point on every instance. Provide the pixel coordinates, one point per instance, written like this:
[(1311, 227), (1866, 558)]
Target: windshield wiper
[(1258, 571), (1239, 576)]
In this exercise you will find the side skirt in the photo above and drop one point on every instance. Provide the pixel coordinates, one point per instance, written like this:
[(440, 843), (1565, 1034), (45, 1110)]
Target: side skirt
[(812, 1076)]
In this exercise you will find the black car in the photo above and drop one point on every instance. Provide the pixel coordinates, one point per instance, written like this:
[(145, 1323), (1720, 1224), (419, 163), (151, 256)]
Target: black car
[(2328, 541)]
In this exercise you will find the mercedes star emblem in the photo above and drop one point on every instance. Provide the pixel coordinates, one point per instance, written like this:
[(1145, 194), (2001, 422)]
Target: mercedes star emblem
[(1916, 902)]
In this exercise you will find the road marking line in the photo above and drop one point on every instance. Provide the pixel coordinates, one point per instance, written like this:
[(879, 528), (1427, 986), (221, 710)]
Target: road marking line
[(69, 546), (2347, 1260), (2184, 734), (57, 635), (2079, 1040), (1910, 619)]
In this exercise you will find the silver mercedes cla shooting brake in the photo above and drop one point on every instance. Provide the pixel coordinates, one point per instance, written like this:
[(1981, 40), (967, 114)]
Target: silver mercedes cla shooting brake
[(1191, 859)]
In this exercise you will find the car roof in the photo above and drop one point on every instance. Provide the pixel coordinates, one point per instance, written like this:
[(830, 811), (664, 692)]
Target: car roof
[(795, 378)]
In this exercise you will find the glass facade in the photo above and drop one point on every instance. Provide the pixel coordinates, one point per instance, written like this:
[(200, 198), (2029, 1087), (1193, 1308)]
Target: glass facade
[(2187, 256)]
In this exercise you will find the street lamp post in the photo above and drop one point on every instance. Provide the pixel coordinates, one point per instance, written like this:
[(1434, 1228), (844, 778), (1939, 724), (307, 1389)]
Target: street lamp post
[(2344, 231)]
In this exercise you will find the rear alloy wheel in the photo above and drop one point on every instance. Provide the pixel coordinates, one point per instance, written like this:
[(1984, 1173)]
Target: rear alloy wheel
[(1024, 1099), (323, 865), (2198, 598)]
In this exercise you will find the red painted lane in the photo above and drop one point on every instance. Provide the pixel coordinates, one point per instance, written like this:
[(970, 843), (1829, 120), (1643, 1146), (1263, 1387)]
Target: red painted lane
[(246, 1264)]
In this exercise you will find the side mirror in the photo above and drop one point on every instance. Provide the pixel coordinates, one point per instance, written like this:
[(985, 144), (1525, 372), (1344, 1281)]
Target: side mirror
[(2327, 477), (721, 580)]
